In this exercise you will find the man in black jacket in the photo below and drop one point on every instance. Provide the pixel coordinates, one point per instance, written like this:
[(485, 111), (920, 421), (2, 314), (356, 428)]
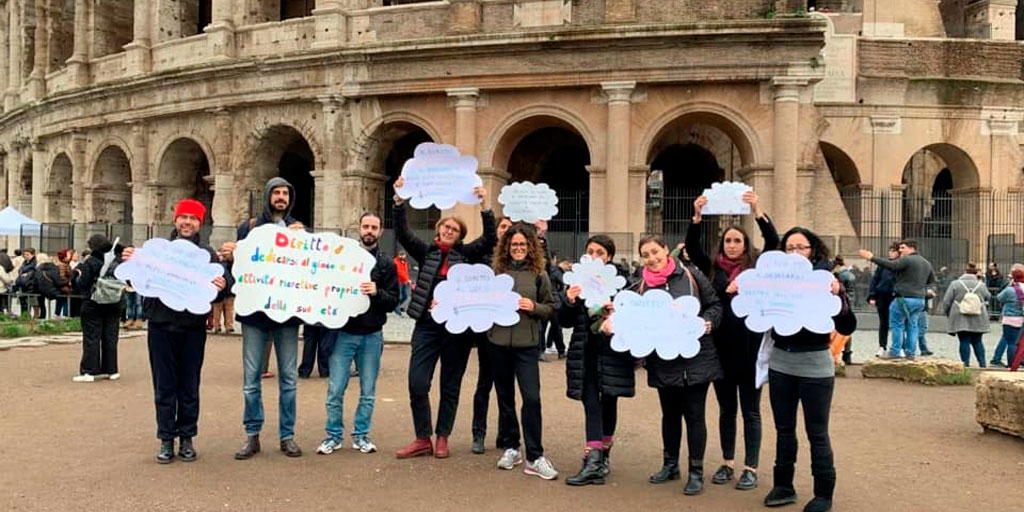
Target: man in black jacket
[(177, 343), (361, 340)]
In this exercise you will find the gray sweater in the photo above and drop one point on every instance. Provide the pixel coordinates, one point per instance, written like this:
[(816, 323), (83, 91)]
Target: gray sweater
[(954, 294), (913, 274)]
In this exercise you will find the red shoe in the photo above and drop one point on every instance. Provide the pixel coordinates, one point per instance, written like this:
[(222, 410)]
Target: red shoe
[(442, 448), (267, 375), (420, 446)]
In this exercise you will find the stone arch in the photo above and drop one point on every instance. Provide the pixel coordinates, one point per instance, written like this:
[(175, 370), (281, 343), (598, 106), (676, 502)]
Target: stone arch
[(963, 170), (842, 168), (103, 145), (282, 150), (731, 122), (58, 189), (515, 126), (110, 186), (183, 171), (382, 153), (369, 139)]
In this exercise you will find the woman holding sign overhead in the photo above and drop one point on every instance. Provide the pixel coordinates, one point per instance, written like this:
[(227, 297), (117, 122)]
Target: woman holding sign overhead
[(736, 345), (430, 340), (682, 383)]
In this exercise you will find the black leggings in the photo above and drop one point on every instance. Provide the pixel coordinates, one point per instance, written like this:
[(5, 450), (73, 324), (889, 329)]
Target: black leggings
[(786, 393), (600, 411), (726, 390), (678, 403)]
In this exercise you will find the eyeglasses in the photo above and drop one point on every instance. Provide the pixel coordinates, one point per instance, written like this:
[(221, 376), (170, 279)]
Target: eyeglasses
[(519, 244), (797, 248), (449, 227)]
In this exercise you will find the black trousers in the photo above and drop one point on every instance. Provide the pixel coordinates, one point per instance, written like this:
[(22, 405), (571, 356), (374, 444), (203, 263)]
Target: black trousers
[(726, 390), (510, 365), (315, 348), (677, 404), (484, 384), (882, 305), (554, 335), (600, 411), (100, 329), (176, 360), (786, 392), (430, 342)]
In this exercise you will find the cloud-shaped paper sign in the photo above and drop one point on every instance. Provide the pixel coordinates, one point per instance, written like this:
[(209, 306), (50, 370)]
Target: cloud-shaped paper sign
[(528, 202), (655, 322), (473, 297), (726, 198), (287, 273), (783, 292), (179, 273), (438, 175), (600, 280)]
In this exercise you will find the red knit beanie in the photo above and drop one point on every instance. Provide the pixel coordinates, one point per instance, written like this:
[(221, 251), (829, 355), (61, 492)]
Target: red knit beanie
[(192, 207)]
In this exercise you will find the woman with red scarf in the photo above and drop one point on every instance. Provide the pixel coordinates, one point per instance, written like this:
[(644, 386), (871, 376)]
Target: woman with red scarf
[(682, 383), (736, 345), (430, 340)]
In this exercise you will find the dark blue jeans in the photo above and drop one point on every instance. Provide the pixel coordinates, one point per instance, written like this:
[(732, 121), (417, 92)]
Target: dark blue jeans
[(969, 340)]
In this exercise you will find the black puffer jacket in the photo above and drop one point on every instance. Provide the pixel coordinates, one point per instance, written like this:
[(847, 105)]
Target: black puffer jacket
[(704, 367), (384, 302), (428, 255), (160, 315), (616, 374), (736, 345)]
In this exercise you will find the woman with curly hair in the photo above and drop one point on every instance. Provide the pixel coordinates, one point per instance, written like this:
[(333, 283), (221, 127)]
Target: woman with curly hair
[(513, 351)]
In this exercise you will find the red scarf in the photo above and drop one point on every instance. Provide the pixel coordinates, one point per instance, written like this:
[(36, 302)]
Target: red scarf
[(654, 279), (444, 256), (732, 268)]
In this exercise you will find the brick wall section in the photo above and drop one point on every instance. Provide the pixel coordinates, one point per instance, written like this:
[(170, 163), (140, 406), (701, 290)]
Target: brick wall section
[(409, 24), (588, 12), (670, 11), (949, 58)]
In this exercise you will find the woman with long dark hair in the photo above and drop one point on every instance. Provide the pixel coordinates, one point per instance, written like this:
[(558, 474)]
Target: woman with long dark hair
[(595, 374), (736, 345), (801, 370), (682, 383)]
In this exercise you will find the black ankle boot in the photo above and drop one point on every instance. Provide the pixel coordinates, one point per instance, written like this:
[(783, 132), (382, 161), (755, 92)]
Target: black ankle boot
[(606, 461), (780, 496), (669, 471), (695, 480), (592, 471), (818, 504), (185, 451), (166, 455)]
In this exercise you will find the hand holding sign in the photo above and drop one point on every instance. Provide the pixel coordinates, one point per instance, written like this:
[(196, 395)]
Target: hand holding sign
[(655, 322), (473, 297), (726, 198), (599, 280), (783, 292), (438, 175), (179, 273), (528, 202)]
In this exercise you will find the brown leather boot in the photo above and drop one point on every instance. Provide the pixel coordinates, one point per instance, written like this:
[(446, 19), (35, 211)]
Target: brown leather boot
[(419, 446), (250, 448), (290, 449)]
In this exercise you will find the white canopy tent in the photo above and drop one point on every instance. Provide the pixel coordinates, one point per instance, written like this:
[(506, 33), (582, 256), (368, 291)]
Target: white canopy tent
[(11, 222)]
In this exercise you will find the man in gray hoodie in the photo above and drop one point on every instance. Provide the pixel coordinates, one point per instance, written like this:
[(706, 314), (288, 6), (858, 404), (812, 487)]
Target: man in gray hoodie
[(914, 275)]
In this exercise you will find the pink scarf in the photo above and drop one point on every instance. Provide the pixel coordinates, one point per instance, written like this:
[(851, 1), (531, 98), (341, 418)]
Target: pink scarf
[(654, 279), (732, 268)]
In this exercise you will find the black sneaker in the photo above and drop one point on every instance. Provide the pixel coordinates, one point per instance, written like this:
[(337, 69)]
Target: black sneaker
[(780, 496)]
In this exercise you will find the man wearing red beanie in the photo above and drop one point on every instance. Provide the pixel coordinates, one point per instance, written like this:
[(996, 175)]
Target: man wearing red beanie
[(177, 343)]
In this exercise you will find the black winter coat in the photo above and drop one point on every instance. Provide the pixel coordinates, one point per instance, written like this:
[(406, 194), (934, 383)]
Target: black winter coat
[(737, 346), (883, 284), (616, 373), (85, 276), (429, 257), (48, 280), (705, 366), (159, 315), (384, 302)]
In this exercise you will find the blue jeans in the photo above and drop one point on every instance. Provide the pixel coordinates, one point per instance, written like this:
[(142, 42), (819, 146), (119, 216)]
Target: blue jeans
[(922, 330), (133, 306), (1007, 344), (969, 340), (404, 292), (286, 343), (903, 322), (366, 350)]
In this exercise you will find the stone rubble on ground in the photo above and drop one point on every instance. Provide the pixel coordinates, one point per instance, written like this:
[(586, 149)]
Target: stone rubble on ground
[(999, 402), (923, 370)]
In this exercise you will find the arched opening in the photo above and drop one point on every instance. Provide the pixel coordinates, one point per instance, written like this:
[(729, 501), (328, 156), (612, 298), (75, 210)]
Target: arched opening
[(283, 151), (61, 42), (58, 190), (297, 8), (182, 18), (687, 156), (847, 182), (184, 173), (28, 37), (112, 195), (559, 157), (391, 145), (113, 28), (25, 188)]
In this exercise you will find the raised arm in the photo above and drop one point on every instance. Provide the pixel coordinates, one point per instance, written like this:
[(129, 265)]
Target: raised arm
[(416, 248), (484, 244)]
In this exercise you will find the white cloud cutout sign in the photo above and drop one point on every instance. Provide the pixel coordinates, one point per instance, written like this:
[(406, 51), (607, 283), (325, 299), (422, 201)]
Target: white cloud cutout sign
[(472, 297), (600, 280), (438, 175), (726, 198), (528, 202), (287, 273), (655, 322), (178, 273), (783, 292)]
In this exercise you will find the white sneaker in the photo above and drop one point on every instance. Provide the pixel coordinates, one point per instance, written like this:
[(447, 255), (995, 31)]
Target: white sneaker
[(114, 376), (510, 459), (541, 467), (551, 350), (364, 445), (328, 446), (85, 377), (881, 352)]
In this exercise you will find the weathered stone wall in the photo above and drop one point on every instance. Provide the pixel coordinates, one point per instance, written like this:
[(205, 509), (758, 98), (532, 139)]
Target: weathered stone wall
[(112, 28), (672, 11), (61, 33), (941, 58)]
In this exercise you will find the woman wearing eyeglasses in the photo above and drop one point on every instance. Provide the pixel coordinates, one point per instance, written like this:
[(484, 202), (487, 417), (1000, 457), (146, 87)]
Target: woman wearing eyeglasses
[(430, 340), (801, 370)]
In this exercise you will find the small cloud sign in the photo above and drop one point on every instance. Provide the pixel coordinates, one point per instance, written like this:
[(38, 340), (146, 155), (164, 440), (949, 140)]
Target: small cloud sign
[(783, 292), (655, 322), (726, 198), (439, 175), (178, 273), (472, 297), (600, 280), (528, 202)]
